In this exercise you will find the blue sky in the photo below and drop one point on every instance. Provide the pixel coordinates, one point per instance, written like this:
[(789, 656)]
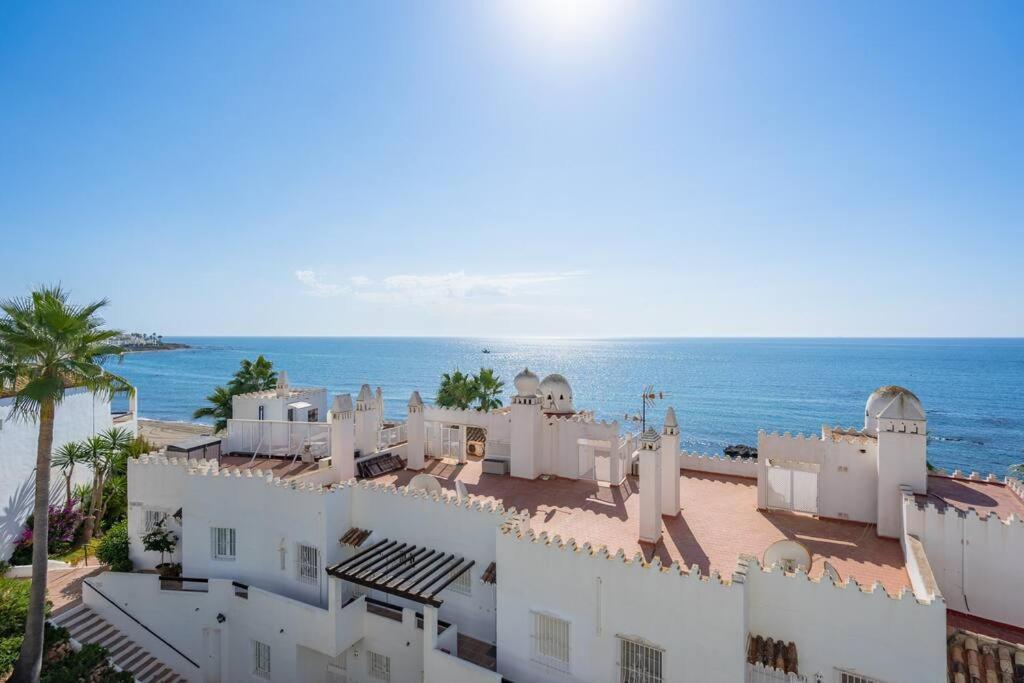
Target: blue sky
[(507, 168)]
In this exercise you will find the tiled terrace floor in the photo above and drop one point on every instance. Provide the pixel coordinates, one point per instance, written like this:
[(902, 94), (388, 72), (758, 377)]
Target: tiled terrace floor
[(719, 521), (985, 497)]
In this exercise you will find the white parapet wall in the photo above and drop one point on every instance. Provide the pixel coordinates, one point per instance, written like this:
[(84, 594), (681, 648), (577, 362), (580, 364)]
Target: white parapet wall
[(848, 628), (976, 560), (718, 464), (698, 622)]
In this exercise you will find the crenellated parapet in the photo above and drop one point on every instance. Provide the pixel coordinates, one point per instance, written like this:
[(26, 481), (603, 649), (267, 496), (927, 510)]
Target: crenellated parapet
[(718, 464)]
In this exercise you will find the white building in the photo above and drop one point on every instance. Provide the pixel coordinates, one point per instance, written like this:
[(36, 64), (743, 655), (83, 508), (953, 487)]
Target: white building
[(80, 415), (794, 567)]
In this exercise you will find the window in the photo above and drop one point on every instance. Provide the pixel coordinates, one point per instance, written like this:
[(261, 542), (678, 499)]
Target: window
[(313, 415), (291, 414), (462, 584), (259, 413), (222, 543), (309, 564), (550, 641), (378, 667), (151, 518), (639, 662), (850, 677), (260, 659)]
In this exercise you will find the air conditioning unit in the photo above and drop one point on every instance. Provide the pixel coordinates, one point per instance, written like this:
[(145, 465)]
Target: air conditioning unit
[(474, 448)]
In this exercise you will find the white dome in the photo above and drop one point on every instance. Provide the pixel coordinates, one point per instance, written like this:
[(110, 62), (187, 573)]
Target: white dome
[(425, 482), (556, 394), (527, 383), (902, 405)]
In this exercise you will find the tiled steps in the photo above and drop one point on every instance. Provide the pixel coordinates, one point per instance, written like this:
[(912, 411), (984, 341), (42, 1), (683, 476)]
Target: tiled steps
[(87, 626)]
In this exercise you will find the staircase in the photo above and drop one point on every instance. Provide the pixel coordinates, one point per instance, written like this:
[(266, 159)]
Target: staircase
[(86, 626)]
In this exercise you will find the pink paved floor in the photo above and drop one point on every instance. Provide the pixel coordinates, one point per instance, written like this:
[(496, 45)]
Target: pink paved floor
[(985, 497), (281, 467), (719, 521)]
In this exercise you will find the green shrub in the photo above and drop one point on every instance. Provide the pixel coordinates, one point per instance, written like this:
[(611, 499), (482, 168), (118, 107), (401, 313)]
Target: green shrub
[(10, 647), (114, 548), (13, 613)]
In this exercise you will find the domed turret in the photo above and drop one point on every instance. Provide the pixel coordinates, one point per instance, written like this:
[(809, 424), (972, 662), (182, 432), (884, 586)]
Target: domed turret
[(896, 402), (527, 383), (556, 394)]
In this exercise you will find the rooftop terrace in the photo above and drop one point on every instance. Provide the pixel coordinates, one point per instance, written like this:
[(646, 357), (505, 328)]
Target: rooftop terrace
[(964, 494), (719, 521)]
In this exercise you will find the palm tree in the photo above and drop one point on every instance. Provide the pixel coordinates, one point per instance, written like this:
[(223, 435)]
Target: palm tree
[(257, 375), (219, 408), (457, 390), (488, 389), (65, 458), (48, 344), (106, 452)]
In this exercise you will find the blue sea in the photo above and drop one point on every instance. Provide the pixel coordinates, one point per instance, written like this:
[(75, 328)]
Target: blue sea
[(723, 390)]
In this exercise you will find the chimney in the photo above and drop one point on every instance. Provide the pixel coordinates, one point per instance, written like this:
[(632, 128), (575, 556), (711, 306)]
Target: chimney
[(415, 433), (282, 383), (343, 456), (670, 465), (650, 486)]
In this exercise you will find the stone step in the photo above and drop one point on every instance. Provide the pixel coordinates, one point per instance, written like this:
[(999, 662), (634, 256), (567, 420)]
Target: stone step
[(86, 626)]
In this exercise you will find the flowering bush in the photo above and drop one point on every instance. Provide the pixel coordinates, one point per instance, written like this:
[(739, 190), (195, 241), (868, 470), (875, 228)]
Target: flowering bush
[(64, 522)]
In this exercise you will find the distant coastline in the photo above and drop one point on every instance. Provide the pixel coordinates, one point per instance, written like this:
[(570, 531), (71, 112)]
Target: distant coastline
[(164, 346)]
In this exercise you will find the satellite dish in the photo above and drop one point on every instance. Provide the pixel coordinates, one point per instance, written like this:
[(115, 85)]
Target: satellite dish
[(425, 482), (788, 554)]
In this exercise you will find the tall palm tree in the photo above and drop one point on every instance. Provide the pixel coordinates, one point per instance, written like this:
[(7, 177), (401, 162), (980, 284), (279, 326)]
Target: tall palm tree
[(488, 389), (457, 390), (219, 408), (65, 458), (48, 344), (253, 375)]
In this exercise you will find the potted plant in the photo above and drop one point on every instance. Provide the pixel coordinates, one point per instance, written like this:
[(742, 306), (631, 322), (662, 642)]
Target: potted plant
[(162, 540)]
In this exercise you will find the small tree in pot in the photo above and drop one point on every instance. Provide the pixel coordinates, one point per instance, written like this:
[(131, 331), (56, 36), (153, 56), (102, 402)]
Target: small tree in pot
[(162, 540)]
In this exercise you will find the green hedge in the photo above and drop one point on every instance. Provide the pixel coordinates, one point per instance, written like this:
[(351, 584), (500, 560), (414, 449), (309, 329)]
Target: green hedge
[(114, 548)]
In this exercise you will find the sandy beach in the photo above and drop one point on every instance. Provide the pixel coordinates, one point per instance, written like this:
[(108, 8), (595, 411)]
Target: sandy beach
[(160, 433)]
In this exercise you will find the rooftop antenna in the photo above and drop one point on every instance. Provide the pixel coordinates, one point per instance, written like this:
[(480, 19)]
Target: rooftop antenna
[(647, 399)]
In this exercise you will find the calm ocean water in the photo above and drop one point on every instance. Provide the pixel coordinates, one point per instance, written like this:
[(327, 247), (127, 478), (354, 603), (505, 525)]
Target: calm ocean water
[(724, 390)]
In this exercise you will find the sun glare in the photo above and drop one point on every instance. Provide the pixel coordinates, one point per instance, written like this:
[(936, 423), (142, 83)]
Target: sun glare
[(568, 24)]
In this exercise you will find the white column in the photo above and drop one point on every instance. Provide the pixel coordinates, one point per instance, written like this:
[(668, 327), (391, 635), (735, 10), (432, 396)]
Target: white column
[(650, 487), (340, 418), (670, 465), (416, 434)]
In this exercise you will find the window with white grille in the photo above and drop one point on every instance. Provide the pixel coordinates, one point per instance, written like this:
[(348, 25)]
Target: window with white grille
[(222, 543), (260, 659), (462, 584), (550, 641), (850, 677), (639, 662), (309, 564), (378, 667), (151, 518)]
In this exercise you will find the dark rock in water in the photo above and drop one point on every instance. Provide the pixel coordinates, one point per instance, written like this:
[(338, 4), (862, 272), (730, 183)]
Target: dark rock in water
[(740, 451)]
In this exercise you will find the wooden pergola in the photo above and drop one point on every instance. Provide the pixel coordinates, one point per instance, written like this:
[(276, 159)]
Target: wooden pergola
[(403, 570)]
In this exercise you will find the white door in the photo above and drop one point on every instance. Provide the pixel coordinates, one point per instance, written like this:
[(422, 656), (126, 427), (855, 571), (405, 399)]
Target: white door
[(211, 645), (780, 488), (451, 443), (602, 465), (805, 491), (586, 464)]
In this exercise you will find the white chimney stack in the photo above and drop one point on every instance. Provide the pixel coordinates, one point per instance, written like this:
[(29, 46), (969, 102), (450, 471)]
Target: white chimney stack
[(415, 433), (340, 419), (670, 465), (650, 486)]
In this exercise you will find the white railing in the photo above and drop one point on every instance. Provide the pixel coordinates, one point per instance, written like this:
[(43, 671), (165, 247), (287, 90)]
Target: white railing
[(279, 438), (390, 436)]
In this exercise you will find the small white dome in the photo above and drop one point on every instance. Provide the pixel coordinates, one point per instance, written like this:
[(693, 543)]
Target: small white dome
[(905, 406), (415, 400), (556, 394), (527, 383), (670, 417), (425, 482)]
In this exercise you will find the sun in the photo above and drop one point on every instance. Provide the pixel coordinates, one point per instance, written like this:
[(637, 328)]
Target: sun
[(568, 23)]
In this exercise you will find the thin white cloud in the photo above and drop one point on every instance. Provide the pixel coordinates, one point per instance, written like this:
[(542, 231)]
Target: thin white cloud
[(455, 287), (313, 286)]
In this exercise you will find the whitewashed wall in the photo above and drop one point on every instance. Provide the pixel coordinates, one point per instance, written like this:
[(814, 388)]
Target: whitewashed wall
[(833, 626), (699, 622), (78, 417), (714, 464), (154, 483), (976, 561)]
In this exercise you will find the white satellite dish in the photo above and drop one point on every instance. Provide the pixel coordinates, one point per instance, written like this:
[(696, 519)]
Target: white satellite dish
[(789, 555)]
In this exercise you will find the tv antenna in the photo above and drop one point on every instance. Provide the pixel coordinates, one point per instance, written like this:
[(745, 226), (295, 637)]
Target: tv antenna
[(647, 399)]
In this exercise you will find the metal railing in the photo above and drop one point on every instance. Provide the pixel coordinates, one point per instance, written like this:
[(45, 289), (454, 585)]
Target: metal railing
[(144, 627)]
